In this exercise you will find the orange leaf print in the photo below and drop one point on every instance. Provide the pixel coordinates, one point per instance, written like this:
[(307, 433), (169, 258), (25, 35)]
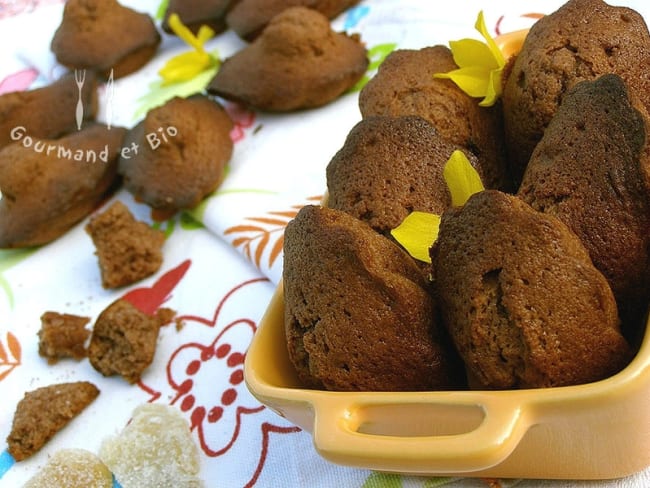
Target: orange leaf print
[(14, 346), (287, 213), (240, 240), (266, 220), (276, 250), (243, 228), (261, 246), (247, 249), (7, 363), (264, 234)]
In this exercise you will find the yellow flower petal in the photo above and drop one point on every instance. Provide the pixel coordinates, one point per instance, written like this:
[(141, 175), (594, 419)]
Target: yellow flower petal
[(461, 178), (497, 55), (205, 34), (480, 65), (187, 65), (472, 80), (494, 89), (419, 230), (417, 233), (187, 35), (191, 57), (471, 52)]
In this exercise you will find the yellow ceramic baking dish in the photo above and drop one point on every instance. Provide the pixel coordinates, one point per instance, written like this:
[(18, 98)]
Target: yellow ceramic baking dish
[(593, 431)]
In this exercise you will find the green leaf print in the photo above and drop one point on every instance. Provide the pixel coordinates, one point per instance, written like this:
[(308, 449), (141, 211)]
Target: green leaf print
[(383, 480), (162, 8), (376, 54), (8, 259), (437, 482), (185, 219), (159, 94), (188, 222), (166, 226)]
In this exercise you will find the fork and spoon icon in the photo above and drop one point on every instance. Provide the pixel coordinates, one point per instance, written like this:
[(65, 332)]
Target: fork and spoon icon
[(80, 79)]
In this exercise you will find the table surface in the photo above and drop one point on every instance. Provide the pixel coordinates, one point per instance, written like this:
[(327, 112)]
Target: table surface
[(221, 260)]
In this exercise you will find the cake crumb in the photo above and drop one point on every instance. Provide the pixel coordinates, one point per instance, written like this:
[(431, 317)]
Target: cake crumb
[(180, 324), (165, 316), (45, 411), (128, 250), (62, 335), (124, 339)]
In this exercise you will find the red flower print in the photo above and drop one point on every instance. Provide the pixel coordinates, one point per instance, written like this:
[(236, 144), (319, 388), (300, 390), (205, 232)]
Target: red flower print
[(220, 363), (150, 299), (206, 382), (15, 7), (241, 118), (19, 81)]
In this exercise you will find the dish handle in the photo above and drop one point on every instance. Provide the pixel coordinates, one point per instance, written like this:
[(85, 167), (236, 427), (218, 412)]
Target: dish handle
[(338, 436)]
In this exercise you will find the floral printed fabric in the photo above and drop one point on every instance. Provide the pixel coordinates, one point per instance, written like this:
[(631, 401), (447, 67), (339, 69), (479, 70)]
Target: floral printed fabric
[(221, 260)]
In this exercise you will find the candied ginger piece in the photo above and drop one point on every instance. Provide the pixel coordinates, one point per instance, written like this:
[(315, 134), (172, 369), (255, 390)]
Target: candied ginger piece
[(154, 449), (72, 468)]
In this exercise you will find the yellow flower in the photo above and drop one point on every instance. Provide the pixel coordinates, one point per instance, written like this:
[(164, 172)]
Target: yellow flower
[(186, 66), (461, 178), (480, 66), (419, 230)]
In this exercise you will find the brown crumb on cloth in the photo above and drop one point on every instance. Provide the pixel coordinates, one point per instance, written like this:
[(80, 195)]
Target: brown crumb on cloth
[(128, 250), (62, 335), (45, 411), (124, 339)]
